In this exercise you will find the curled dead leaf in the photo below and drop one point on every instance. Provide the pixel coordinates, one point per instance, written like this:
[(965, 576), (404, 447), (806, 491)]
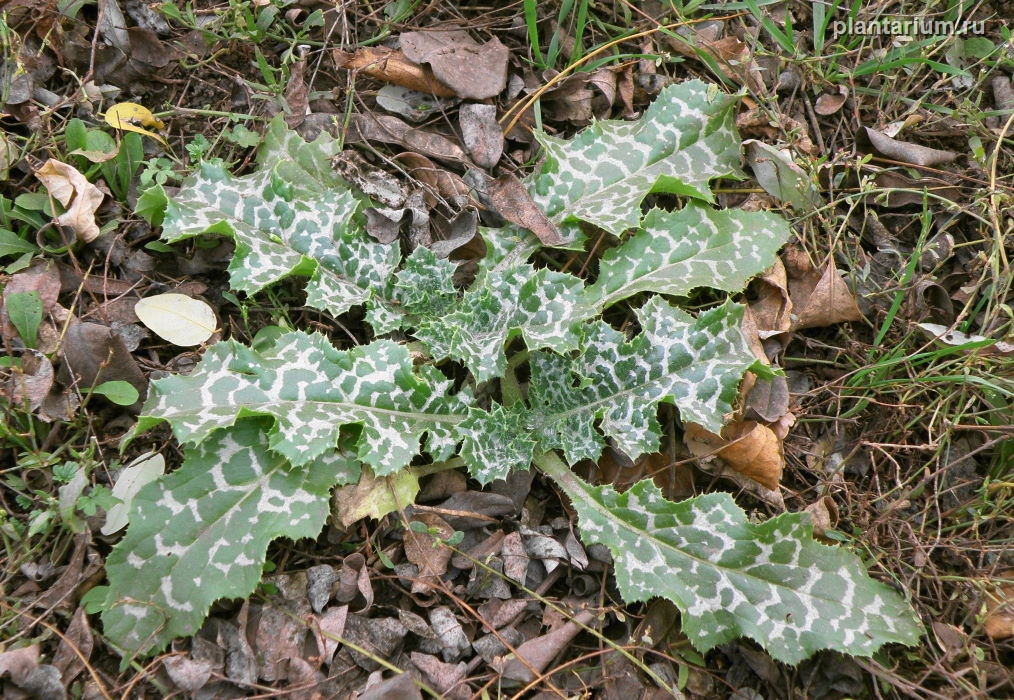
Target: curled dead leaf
[(904, 151), (829, 103), (391, 66), (80, 198), (512, 202), (750, 448), (818, 298), (823, 515)]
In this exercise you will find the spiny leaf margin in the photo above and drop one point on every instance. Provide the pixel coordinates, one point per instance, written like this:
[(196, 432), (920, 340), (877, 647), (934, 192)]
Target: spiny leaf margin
[(292, 216), (771, 581), (616, 384), (312, 389), (201, 533)]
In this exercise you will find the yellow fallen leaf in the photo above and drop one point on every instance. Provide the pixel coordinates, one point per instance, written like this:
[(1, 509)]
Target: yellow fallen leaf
[(177, 318), (80, 198), (126, 116)]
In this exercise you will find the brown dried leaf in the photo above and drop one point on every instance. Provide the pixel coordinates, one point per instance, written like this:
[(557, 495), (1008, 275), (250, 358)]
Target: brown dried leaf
[(472, 70), (512, 202), (818, 298), (383, 128), (80, 198), (32, 381), (828, 103), (758, 123), (427, 551), (999, 622), (93, 354), (904, 151), (823, 515), (297, 95), (42, 277), (76, 646), (481, 134), (446, 678), (768, 400), (353, 581), (328, 632), (281, 630), (391, 66), (400, 687), (444, 183), (19, 663), (535, 655), (750, 448), (188, 674)]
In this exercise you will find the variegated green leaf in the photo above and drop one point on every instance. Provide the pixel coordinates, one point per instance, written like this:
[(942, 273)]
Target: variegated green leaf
[(684, 139), (542, 306), (201, 533), (291, 216), (771, 581), (675, 252), (424, 285), (614, 385), (312, 390), (497, 441)]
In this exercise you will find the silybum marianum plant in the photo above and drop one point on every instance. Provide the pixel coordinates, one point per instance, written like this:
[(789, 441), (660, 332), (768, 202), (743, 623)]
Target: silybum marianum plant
[(270, 428)]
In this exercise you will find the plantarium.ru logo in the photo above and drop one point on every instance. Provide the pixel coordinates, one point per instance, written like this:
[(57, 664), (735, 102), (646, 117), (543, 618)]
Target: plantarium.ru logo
[(906, 27)]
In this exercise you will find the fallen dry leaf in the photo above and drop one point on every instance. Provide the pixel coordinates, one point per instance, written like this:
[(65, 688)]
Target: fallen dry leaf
[(43, 278), (93, 354), (415, 106), (399, 687), (772, 311), (901, 190), (80, 198), (76, 645), (823, 515), (130, 116), (481, 134), (443, 183), (534, 656), (328, 631), (767, 400), (472, 70), (391, 66), (188, 674), (177, 318), (384, 128), (354, 582), (999, 623), (829, 103), (427, 551), (297, 95), (512, 202), (904, 151), (30, 383), (750, 448), (373, 496), (818, 298), (28, 675), (757, 123)]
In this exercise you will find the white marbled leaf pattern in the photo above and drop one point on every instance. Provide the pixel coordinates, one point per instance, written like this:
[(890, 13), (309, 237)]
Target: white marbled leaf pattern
[(312, 390), (201, 533), (729, 577)]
